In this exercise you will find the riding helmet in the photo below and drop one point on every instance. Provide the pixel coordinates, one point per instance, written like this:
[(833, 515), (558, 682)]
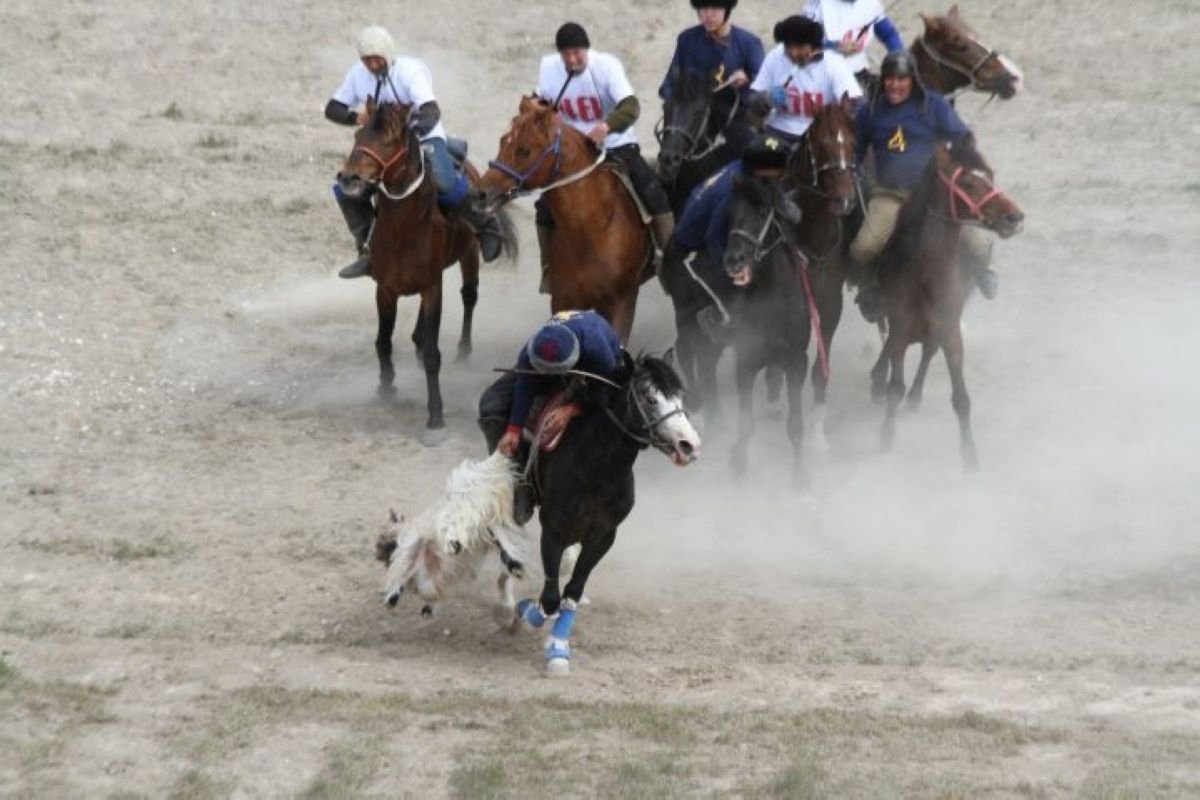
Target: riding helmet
[(766, 152), (374, 40), (554, 349), (898, 64), (571, 36), (799, 29)]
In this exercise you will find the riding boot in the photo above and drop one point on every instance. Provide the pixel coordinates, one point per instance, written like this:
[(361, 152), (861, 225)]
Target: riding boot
[(487, 227), (544, 233), (661, 228), (360, 217)]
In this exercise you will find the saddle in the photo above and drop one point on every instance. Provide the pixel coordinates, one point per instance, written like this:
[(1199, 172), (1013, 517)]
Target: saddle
[(534, 432), (618, 169)]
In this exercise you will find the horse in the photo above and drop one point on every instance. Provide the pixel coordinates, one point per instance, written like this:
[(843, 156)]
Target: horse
[(951, 59), (600, 245), (776, 306), (690, 139), (822, 168), (587, 487), (922, 284), (411, 244)]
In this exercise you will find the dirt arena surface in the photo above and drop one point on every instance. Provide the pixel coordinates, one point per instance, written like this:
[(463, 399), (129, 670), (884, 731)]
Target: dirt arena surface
[(194, 466)]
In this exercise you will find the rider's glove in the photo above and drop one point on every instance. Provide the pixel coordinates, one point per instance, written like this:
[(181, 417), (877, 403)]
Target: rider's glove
[(779, 97)]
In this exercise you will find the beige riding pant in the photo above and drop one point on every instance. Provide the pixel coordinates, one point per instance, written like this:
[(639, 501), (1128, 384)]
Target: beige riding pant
[(975, 245)]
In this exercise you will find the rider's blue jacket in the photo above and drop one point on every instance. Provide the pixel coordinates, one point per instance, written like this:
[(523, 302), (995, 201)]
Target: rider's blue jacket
[(704, 222), (599, 354), (696, 51), (903, 137)]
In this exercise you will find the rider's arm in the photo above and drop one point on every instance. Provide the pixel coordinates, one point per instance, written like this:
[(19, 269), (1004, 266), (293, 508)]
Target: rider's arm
[(340, 113), (753, 55), (717, 236), (523, 394), (425, 119), (950, 125), (885, 29), (624, 115), (664, 88)]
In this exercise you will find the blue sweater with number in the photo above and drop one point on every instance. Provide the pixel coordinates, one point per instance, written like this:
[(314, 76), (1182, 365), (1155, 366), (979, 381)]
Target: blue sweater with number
[(696, 51), (599, 354), (705, 218), (903, 136)]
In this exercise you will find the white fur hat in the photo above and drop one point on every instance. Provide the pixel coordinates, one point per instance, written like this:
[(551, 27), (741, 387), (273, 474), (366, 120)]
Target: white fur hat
[(374, 40)]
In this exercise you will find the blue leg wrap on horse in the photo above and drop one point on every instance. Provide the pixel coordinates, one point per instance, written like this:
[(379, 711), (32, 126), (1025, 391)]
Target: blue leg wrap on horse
[(557, 648), (565, 622), (457, 194), (531, 613)]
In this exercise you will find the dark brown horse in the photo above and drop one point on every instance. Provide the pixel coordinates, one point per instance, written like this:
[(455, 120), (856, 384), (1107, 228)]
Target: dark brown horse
[(599, 245), (951, 59), (411, 244), (922, 283)]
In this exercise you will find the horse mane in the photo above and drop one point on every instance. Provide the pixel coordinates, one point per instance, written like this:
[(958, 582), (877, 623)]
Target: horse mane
[(689, 85), (910, 222), (660, 373)]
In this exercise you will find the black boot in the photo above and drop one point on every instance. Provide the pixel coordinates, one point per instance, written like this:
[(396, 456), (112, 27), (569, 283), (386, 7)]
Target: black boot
[(360, 216), (487, 228)]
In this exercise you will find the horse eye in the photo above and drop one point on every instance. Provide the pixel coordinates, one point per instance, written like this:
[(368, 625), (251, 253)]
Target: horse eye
[(522, 152)]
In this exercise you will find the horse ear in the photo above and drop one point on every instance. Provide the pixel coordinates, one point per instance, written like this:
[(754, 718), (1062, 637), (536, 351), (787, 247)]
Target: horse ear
[(930, 22), (527, 102), (669, 357), (953, 13)]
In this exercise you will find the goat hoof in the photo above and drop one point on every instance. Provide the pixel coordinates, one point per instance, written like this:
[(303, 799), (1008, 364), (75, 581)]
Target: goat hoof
[(393, 597)]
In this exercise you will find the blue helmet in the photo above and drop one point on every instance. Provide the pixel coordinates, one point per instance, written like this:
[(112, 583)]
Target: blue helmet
[(554, 349)]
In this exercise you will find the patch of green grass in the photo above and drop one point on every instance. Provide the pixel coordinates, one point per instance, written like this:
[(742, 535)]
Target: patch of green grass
[(172, 112), (797, 781), (126, 630), (481, 780), (8, 673), (350, 765), (198, 785), (16, 622), (1192, 188), (115, 549), (158, 547), (215, 141), (297, 205)]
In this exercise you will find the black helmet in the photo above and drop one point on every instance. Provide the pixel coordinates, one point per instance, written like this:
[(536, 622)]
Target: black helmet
[(728, 5), (766, 152), (898, 63), (799, 29), (571, 36)]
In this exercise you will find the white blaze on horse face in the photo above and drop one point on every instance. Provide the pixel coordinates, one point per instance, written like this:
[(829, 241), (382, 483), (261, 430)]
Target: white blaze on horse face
[(1018, 82), (676, 428)]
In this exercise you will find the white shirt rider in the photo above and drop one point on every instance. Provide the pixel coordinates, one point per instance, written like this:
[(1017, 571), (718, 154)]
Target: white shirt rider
[(808, 88), (851, 23), (590, 96), (408, 81)]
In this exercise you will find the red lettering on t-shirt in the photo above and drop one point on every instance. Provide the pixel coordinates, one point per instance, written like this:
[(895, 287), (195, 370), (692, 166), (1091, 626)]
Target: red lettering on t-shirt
[(805, 103), (583, 109)]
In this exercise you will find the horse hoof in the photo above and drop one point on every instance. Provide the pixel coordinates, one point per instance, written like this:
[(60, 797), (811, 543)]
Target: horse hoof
[(558, 667), (386, 391), (427, 611), (463, 356), (393, 597), (433, 437)]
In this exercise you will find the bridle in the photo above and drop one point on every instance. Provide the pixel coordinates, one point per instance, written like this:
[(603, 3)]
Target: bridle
[(552, 150), (386, 164), (700, 137), (842, 164), (958, 194), (646, 433), (759, 248), (969, 73)]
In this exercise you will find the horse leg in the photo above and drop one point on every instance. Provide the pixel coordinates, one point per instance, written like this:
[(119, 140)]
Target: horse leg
[(469, 263), (746, 373), (795, 373), (774, 381), (534, 612), (558, 644), (879, 374), (418, 334), (917, 390), (431, 316), (894, 349), (831, 316), (385, 304), (505, 611), (953, 345), (622, 315), (708, 354)]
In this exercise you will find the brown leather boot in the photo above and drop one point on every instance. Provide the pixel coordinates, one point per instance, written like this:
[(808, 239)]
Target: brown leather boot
[(543, 235)]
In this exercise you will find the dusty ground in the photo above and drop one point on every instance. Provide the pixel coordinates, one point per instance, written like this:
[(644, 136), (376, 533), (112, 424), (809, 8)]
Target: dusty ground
[(193, 464)]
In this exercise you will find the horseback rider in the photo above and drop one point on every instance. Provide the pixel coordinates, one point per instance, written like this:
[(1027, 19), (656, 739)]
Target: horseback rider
[(383, 77), (798, 78), (703, 228), (850, 27), (902, 126), (582, 341), (733, 55), (594, 97)]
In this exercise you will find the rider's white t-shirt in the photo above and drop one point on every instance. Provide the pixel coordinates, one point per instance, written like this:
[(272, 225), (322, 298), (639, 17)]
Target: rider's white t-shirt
[(809, 88), (592, 94), (410, 77), (845, 21)]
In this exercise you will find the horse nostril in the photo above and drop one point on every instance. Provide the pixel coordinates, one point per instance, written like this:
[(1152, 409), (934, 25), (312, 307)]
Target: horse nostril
[(686, 448)]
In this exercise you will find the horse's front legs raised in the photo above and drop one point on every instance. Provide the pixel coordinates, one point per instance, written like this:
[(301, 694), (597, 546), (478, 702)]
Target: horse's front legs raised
[(431, 317), (385, 304)]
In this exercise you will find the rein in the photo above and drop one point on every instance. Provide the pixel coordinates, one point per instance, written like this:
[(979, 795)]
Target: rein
[(957, 193), (968, 73), (385, 165), (552, 149), (646, 437)]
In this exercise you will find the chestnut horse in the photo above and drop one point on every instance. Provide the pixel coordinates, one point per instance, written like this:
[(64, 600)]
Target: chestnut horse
[(411, 244), (951, 59), (922, 283), (599, 245)]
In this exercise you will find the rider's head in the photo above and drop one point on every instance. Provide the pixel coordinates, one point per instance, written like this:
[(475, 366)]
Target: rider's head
[(802, 38), (766, 156), (553, 349), (713, 14), (572, 43), (899, 73), (376, 48)]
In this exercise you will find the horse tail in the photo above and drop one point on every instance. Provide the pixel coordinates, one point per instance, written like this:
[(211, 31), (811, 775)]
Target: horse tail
[(508, 235)]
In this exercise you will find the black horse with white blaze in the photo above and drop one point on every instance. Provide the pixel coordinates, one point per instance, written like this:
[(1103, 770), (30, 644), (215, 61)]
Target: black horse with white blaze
[(586, 484)]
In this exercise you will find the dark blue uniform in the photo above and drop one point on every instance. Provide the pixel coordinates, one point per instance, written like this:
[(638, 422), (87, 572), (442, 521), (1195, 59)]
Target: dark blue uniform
[(599, 354), (704, 223), (696, 51), (903, 137)]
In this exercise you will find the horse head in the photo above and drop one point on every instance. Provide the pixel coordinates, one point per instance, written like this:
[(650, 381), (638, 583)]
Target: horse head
[(652, 410), (761, 216), (381, 150), (824, 162), (971, 191), (529, 158), (687, 122), (951, 45)]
